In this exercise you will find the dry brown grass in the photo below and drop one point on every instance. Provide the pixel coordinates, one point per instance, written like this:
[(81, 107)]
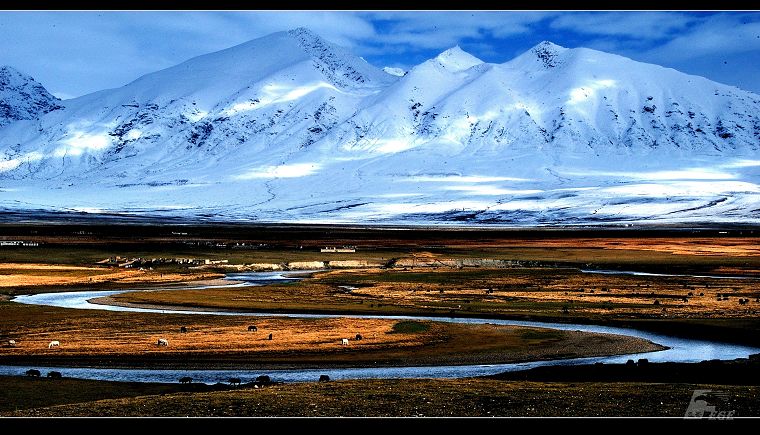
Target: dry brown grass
[(89, 336), (50, 275), (418, 398), (728, 246), (516, 291)]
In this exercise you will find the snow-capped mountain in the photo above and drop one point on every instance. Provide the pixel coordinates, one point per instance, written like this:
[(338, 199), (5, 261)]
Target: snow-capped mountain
[(290, 127), (22, 98)]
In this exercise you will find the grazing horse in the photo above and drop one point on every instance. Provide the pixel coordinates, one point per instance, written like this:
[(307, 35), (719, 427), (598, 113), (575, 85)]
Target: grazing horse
[(162, 342), (55, 375), (359, 336), (11, 343), (234, 381), (344, 342), (183, 329), (324, 378), (263, 379), (186, 380), (253, 328), (33, 372), (54, 343), (270, 336)]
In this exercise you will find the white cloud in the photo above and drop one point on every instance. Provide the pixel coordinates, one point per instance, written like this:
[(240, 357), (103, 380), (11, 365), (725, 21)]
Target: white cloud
[(410, 30), (715, 35), (76, 52), (644, 25)]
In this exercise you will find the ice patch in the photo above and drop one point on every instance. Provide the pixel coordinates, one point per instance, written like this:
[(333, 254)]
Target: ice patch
[(461, 178), (692, 188), (490, 190), (7, 165), (586, 92), (282, 171), (79, 142), (387, 146), (88, 209), (133, 134), (684, 174), (742, 164)]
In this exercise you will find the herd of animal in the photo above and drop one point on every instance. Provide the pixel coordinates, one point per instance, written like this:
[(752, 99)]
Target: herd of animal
[(165, 343), (36, 373), (260, 380), (252, 328), (264, 379)]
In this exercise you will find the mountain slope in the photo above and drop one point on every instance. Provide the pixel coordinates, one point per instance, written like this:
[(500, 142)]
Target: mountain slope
[(22, 98), (290, 128)]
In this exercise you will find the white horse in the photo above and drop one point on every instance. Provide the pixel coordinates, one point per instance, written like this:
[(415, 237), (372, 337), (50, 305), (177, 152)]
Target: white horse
[(53, 343), (163, 342), (12, 343), (344, 342)]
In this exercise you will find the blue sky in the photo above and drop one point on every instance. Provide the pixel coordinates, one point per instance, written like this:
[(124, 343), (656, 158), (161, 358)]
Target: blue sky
[(75, 53)]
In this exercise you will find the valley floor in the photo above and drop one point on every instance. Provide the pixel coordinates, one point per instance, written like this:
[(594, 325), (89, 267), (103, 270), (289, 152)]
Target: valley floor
[(699, 286)]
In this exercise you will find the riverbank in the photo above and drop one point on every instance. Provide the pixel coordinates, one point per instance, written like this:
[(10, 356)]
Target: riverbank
[(742, 371), (685, 306), (126, 339)]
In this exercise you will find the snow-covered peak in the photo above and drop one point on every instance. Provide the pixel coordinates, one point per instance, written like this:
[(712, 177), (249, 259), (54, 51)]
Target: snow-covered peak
[(545, 54), (339, 65), (21, 97), (548, 46), (456, 59), (398, 72), (11, 76), (290, 127)]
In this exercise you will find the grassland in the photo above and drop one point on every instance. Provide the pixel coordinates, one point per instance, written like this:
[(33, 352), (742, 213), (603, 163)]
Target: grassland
[(543, 283), (19, 393), (407, 397), (116, 339), (697, 307)]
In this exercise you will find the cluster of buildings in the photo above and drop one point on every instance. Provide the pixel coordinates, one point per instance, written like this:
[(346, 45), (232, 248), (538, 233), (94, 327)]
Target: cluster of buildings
[(129, 263), (336, 249), (236, 245), (18, 243)]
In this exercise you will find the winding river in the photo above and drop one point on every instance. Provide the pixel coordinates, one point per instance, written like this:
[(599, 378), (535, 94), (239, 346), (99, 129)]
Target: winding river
[(680, 349)]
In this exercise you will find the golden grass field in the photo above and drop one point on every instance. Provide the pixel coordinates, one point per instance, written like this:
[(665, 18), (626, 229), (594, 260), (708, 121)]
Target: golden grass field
[(547, 285), (130, 339), (521, 291), (33, 275)]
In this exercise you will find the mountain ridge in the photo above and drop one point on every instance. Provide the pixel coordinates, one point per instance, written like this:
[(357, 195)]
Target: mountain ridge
[(290, 127)]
